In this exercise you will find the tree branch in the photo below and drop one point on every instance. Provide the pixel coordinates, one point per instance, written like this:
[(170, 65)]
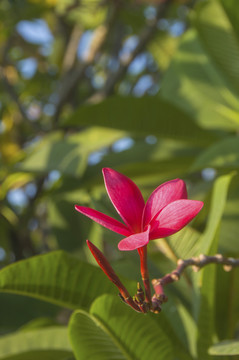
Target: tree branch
[(11, 91), (197, 263), (146, 35), (70, 82), (71, 51)]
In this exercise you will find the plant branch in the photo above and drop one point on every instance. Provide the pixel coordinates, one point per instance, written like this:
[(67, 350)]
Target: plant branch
[(197, 263), (71, 51)]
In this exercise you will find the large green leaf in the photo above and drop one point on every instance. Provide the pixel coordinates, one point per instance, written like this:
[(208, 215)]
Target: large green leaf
[(68, 154), (185, 243), (163, 47), (16, 315), (230, 224), (205, 307), (115, 328), (57, 278), (147, 115), (147, 164), (179, 326), (227, 304), (195, 84), (218, 202), (222, 155), (140, 335), (227, 347), (65, 222), (219, 36), (90, 340), (48, 343)]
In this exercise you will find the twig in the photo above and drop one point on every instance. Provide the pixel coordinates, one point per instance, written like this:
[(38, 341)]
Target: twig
[(71, 51), (197, 263), (10, 89)]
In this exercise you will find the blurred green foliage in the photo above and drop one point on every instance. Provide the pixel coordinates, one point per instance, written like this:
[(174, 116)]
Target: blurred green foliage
[(151, 90)]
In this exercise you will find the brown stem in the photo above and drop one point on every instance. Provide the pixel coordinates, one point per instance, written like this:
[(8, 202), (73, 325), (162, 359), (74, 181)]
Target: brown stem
[(197, 263), (144, 272)]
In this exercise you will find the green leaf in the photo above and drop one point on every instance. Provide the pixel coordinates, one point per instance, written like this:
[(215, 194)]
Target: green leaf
[(90, 13), (185, 243), (38, 323), (194, 84), (163, 47), (230, 225), (16, 315), (56, 277), (112, 326), (65, 222), (90, 340), (218, 202), (147, 115), (187, 329), (205, 306), (50, 343), (147, 164), (222, 155), (227, 304), (227, 347), (68, 154), (139, 334), (206, 311), (219, 37), (229, 8)]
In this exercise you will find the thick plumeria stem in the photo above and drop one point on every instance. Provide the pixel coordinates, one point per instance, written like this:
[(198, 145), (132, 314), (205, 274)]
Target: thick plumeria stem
[(144, 272), (109, 272)]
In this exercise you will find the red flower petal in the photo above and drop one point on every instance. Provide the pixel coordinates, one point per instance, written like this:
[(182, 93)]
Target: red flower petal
[(104, 220), (126, 198), (134, 241), (164, 194), (174, 217)]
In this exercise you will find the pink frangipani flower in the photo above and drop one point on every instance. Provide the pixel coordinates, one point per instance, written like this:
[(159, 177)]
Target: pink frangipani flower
[(167, 210)]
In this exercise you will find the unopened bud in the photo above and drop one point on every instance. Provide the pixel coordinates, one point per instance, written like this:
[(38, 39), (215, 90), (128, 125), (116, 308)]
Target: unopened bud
[(121, 297), (109, 272)]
